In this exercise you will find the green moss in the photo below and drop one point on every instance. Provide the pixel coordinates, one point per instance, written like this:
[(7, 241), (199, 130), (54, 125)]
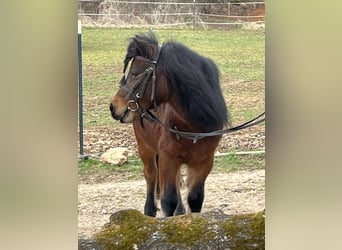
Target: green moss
[(127, 229), (187, 230), (130, 229), (246, 231)]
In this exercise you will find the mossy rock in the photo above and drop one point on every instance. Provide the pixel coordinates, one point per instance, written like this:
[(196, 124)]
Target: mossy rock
[(127, 229), (245, 231), (130, 229), (187, 230)]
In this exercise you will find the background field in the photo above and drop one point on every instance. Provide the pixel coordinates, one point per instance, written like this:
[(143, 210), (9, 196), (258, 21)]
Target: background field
[(239, 55)]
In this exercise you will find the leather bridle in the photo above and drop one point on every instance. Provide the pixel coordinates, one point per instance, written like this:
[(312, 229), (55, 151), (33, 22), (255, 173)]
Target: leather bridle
[(137, 92)]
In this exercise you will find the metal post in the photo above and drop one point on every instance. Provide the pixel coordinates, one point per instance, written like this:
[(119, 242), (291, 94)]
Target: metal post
[(80, 95), (194, 16)]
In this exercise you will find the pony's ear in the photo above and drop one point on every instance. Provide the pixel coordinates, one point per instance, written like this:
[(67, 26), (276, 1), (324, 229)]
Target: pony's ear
[(144, 48)]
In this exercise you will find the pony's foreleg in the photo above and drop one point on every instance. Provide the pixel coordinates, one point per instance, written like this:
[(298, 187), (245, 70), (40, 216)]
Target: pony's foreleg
[(169, 185), (150, 173)]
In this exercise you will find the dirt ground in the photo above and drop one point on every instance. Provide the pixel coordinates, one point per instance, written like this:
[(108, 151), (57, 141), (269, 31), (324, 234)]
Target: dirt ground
[(236, 192), (233, 193)]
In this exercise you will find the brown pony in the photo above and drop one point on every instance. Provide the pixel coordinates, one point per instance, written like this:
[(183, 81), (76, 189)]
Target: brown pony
[(180, 89)]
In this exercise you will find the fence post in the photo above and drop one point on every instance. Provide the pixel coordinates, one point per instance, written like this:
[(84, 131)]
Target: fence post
[(228, 10), (80, 95), (194, 15)]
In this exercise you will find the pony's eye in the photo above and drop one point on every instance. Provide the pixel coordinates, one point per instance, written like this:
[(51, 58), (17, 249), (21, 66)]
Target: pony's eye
[(135, 73)]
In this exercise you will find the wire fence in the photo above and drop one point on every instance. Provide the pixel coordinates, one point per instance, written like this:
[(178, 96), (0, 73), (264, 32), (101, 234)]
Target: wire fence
[(195, 14)]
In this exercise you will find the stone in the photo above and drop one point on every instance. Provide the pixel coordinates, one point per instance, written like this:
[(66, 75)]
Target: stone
[(115, 156)]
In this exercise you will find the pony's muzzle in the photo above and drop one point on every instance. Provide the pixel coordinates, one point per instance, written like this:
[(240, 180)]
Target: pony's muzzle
[(112, 111), (125, 117)]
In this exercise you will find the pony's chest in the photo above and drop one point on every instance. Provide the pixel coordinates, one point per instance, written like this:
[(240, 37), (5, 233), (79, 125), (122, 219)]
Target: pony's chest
[(147, 134), (152, 133)]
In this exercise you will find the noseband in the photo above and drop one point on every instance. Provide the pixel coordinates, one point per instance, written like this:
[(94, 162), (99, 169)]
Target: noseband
[(138, 90)]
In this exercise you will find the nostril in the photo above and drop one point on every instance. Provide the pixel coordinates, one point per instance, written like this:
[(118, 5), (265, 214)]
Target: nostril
[(111, 107)]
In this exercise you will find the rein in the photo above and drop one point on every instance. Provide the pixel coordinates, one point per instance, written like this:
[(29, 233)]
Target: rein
[(197, 136), (133, 105)]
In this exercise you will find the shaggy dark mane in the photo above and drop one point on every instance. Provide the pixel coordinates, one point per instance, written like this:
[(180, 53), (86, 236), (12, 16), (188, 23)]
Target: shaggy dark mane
[(193, 77), (196, 79)]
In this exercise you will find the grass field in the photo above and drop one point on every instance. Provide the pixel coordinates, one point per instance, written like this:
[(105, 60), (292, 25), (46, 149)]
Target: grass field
[(238, 53), (133, 169)]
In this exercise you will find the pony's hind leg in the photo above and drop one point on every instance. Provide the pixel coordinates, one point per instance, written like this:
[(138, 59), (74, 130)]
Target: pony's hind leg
[(196, 197), (180, 207), (195, 182)]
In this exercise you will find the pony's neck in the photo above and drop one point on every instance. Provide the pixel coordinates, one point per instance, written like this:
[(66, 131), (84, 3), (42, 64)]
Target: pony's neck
[(162, 94), (165, 97)]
